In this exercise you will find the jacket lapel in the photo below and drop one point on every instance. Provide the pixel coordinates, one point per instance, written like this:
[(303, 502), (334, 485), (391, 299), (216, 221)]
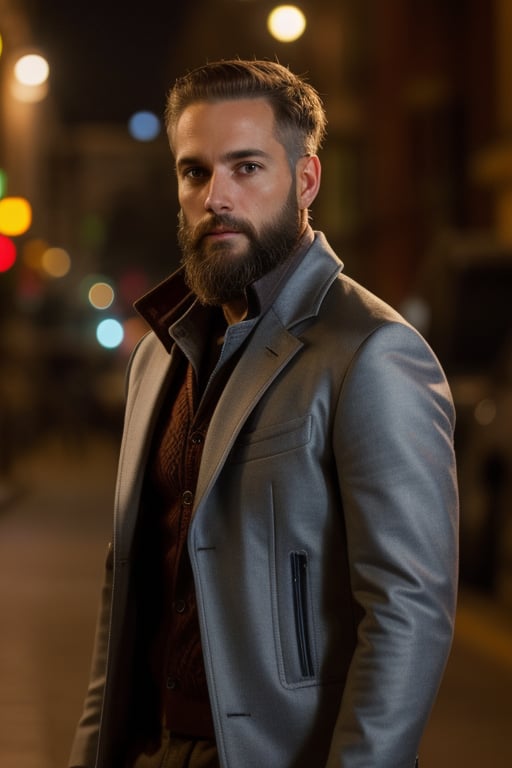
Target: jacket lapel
[(147, 389), (269, 351)]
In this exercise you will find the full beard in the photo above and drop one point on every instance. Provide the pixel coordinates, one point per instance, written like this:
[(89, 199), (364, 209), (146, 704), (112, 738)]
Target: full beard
[(217, 275)]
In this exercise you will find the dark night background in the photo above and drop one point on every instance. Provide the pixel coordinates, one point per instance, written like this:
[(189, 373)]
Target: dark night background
[(417, 200), (109, 59)]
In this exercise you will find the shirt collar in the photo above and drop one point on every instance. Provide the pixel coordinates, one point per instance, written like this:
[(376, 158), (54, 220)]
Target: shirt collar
[(261, 293)]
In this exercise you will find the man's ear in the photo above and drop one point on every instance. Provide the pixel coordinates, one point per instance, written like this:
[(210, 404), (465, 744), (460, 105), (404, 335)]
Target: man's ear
[(308, 174)]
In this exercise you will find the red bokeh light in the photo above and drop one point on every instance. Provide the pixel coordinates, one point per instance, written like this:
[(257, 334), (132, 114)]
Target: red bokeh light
[(7, 253)]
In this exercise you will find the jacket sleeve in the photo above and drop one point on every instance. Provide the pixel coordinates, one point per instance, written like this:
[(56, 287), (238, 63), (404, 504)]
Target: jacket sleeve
[(84, 748), (393, 443)]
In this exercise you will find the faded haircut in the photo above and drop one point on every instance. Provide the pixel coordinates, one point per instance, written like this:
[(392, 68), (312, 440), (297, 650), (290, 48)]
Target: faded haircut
[(298, 109)]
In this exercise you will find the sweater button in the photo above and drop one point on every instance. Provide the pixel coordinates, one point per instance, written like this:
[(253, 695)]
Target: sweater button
[(187, 498), (179, 606), (196, 438), (172, 683)]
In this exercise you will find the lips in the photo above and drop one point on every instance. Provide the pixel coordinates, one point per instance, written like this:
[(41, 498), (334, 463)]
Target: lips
[(223, 231), (218, 228)]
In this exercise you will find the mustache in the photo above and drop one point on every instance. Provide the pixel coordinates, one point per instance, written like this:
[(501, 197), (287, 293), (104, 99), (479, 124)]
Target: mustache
[(220, 221)]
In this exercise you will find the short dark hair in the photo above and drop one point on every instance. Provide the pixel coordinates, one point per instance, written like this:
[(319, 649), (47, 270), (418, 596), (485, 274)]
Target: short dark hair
[(298, 109)]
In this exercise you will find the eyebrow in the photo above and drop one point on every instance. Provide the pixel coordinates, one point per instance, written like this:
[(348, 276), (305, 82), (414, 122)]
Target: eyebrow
[(236, 154)]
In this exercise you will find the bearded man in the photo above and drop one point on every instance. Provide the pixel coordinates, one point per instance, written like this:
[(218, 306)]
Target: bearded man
[(281, 585)]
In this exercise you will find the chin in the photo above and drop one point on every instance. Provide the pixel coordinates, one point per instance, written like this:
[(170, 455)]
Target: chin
[(225, 251)]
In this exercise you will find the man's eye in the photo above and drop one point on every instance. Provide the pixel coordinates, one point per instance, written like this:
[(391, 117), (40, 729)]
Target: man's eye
[(249, 168), (194, 173)]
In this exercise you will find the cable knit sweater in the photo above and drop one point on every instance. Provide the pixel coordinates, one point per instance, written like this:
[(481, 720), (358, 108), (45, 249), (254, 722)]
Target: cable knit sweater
[(170, 660)]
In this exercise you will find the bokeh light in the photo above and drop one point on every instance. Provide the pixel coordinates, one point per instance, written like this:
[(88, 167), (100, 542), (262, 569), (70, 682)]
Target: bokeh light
[(101, 295), (56, 262), (15, 216), (87, 283), (485, 412), (144, 126), (109, 333), (32, 253), (3, 183), (31, 70), (7, 253), (286, 23)]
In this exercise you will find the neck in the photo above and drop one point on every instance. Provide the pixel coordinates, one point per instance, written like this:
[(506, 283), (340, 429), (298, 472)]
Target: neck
[(235, 311)]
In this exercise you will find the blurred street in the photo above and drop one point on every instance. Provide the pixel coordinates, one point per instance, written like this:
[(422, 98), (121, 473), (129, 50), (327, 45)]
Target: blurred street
[(55, 517)]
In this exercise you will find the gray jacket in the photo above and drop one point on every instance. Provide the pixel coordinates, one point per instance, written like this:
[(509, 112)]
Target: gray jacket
[(323, 540)]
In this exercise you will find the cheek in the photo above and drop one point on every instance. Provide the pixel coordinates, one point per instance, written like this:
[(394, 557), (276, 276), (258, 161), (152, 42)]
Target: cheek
[(269, 199), (189, 202)]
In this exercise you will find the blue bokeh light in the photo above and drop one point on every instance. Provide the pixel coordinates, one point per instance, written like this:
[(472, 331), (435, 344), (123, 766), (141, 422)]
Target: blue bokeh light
[(144, 126), (110, 333)]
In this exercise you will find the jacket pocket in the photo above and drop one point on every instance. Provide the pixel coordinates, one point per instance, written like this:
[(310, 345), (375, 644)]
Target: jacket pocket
[(299, 573), (266, 442)]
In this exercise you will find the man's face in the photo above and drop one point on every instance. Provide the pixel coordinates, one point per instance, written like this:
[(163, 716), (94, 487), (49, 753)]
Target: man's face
[(240, 214)]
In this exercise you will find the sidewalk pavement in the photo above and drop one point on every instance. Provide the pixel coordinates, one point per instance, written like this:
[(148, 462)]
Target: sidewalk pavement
[(53, 536), (54, 526)]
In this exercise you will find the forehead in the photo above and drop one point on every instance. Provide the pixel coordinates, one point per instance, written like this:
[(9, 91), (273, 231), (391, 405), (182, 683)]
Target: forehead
[(229, 123)]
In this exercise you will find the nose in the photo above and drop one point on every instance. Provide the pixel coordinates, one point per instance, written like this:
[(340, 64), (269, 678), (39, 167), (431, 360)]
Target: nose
[(219, 194)]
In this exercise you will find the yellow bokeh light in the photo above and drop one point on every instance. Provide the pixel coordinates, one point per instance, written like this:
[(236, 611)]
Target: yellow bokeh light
[(15, 216), (31, 69), (286, 23), (56, 262), (101, 295)]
